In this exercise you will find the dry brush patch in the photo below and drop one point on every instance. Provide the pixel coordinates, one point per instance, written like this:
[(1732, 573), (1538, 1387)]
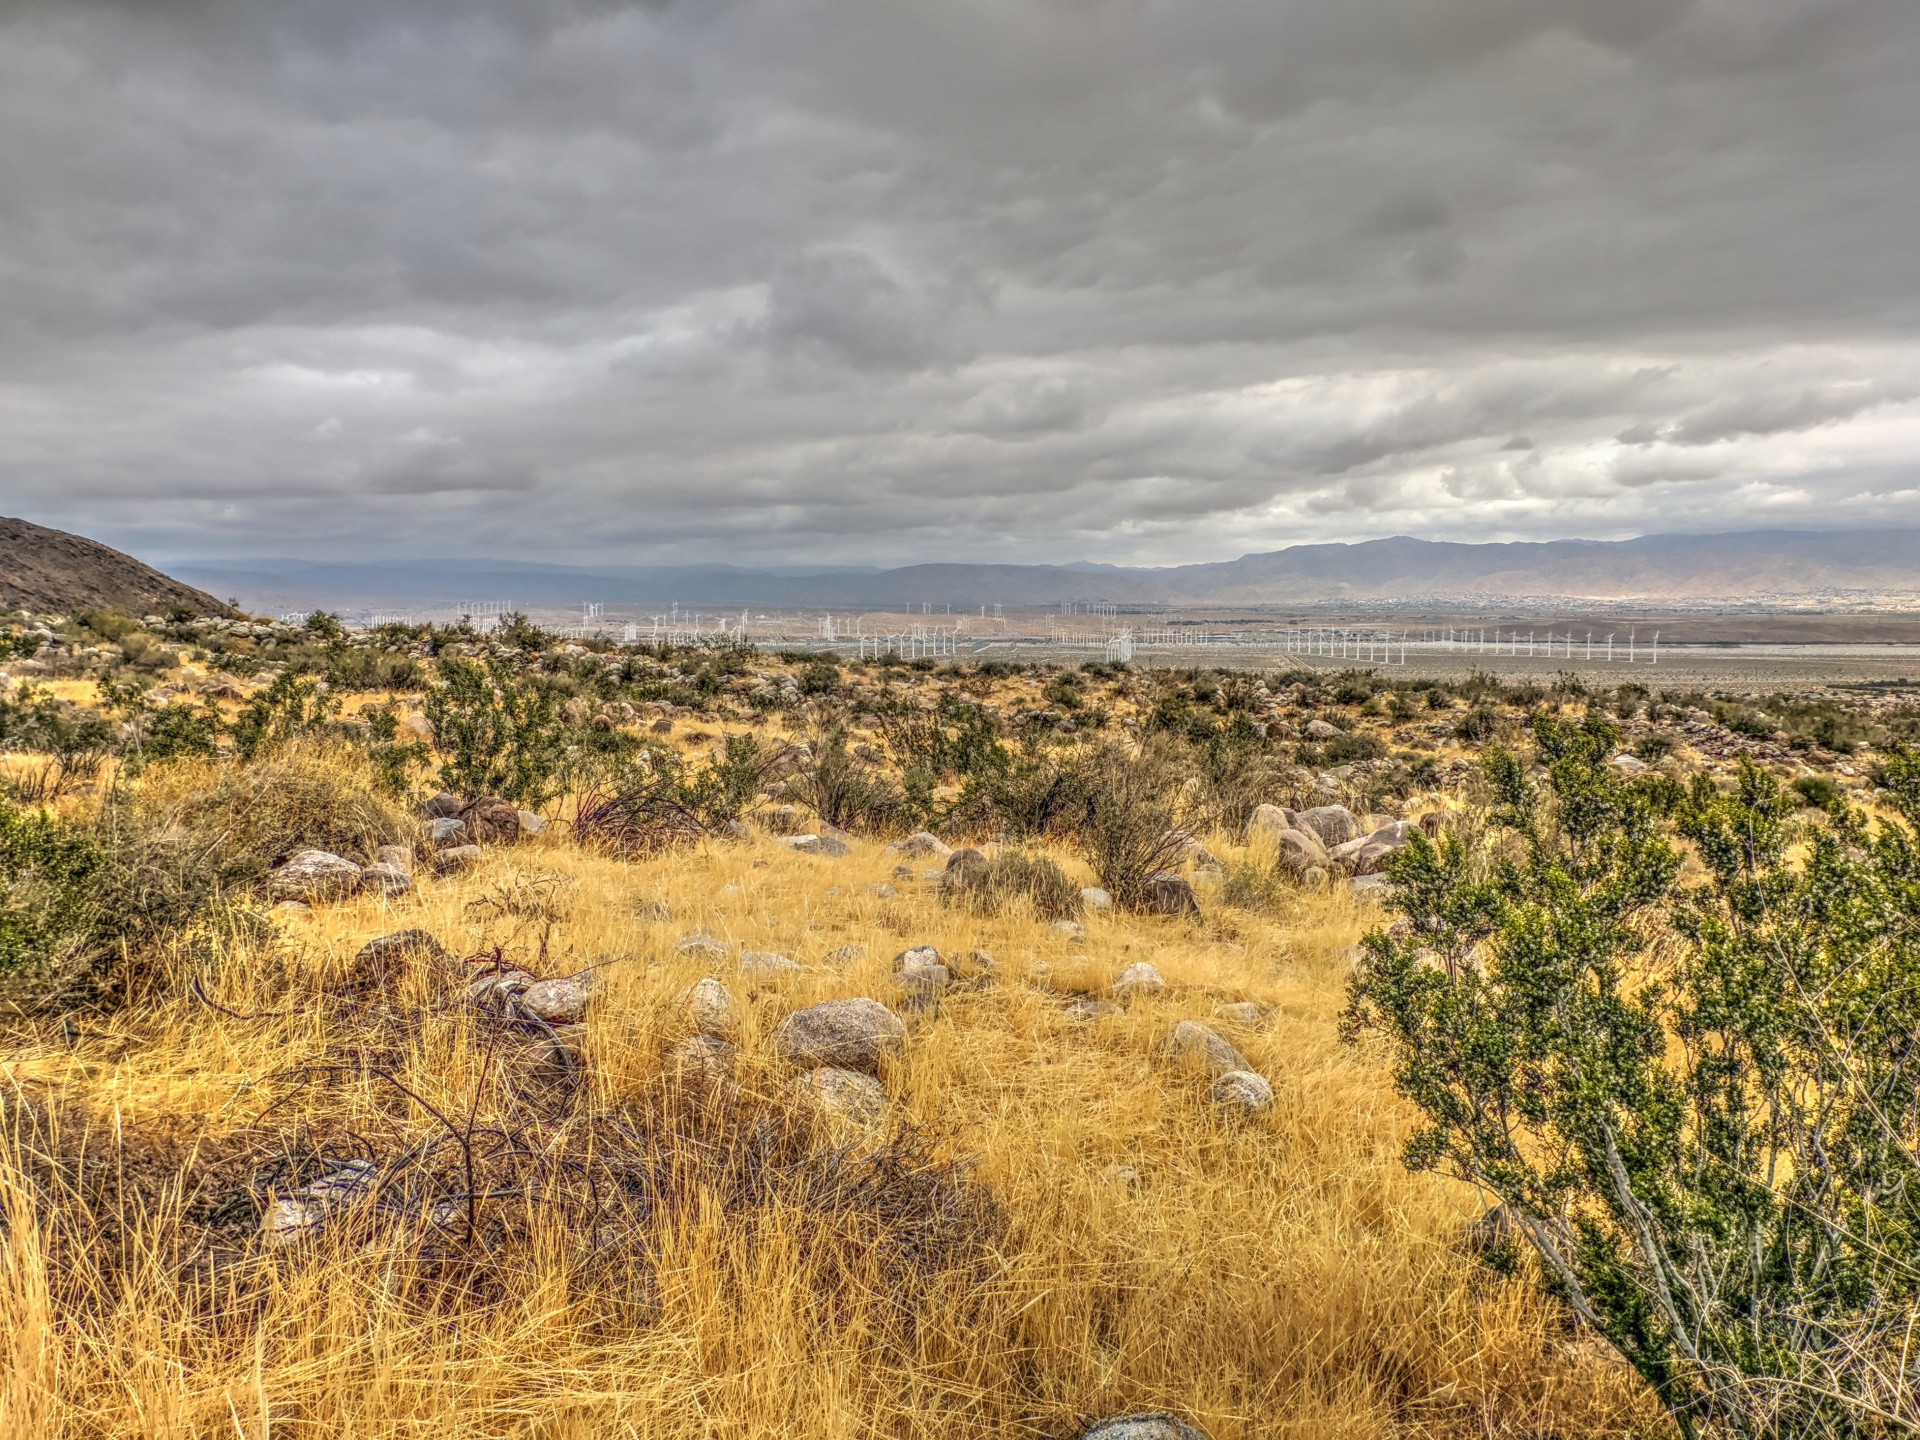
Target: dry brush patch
[(1054, 1227)]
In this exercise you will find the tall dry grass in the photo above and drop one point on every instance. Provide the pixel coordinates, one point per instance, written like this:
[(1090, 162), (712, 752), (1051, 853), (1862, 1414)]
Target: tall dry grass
[(1003, 1275)]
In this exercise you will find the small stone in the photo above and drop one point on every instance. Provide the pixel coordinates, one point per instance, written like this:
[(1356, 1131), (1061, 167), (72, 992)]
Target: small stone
[(448, 830), (1373, 886), (292, 909), (288, 1222), (850, 1034), (823, 845), (701, 947), (314, 875), (1243, 1012), (882, 892), (453, 861), (903, 872), (531, 824), (559, 1002), (917, 957), (1094, 898), (1138, 978), (702, 1057), (398, 856), (922, 844), (496, 987), (1321, 730), (846, 955), (1242, 1090), (978, 962), (1072, 929), (1089, 1007), (1193, 1046), (764, 963), (711, 1008), (442, 805)]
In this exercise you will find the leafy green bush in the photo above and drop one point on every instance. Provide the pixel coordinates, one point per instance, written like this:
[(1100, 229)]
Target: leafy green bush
[(1127, 825), (1819, 790), (1700, 1106), (1011, 878), (498, 728), (668, 803), (855, 794), (292, 706), (84, 905)]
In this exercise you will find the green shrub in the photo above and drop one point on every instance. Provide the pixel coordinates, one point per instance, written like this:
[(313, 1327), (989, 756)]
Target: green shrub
[(498, 728), (1012, 878), (821, 677), (853, 793), (1127, 825), (1709, 1144), (291, 707), (1819, 790)]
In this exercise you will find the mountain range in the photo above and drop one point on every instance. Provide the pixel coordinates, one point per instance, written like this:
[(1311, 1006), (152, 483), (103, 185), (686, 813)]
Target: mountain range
[(1743, 566)]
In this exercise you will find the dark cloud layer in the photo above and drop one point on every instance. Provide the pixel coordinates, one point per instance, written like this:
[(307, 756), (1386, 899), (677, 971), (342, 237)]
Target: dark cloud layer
[(1140, 280)]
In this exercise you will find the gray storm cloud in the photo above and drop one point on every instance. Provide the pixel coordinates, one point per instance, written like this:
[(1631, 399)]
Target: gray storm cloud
[(1123, 279)]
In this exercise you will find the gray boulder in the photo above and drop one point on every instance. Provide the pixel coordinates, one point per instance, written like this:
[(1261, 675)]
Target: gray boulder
[(459, 857), (1298, 851), (1321, 730), (921, 844), (442, 805), (447, 830), (1332, 824), (1268, 821), (704, 1058), (847, 1034), (384, 880), (314, 876), (1171, 895), (767, 964), (844, 1095), (1195, 1047), (383, 959), (398, 856), (531, 824)]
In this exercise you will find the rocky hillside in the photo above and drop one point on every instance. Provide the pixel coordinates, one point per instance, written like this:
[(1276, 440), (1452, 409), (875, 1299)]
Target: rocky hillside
[(51, 572)]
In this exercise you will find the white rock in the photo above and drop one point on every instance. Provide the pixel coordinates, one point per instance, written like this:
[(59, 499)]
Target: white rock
[(531, 824), (562, 1001), (1138, 978), (711, 1008), (1243, 1012), (921, 843), (313, 876), (1144, 1427), (701, 947), (1242, 1090), (288, 1222), (1072, 929), (1094, 898), (1193, 1046)]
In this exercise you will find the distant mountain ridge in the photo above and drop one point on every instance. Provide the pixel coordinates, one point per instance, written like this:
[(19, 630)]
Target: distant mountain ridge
[(52, 572), (1736, 566)]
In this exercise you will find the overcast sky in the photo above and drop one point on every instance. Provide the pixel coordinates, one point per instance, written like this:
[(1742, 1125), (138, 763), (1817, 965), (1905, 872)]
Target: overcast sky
[(1134, 280)]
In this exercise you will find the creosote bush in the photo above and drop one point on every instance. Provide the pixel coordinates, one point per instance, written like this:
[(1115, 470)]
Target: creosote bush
[(1012, 878), (1699, 1104)]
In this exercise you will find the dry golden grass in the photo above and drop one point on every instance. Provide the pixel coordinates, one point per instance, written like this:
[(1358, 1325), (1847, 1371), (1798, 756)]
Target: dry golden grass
[(1278, 1277)]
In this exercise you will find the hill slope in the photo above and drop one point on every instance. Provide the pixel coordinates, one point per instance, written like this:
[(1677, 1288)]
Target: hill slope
[(54, 572)]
